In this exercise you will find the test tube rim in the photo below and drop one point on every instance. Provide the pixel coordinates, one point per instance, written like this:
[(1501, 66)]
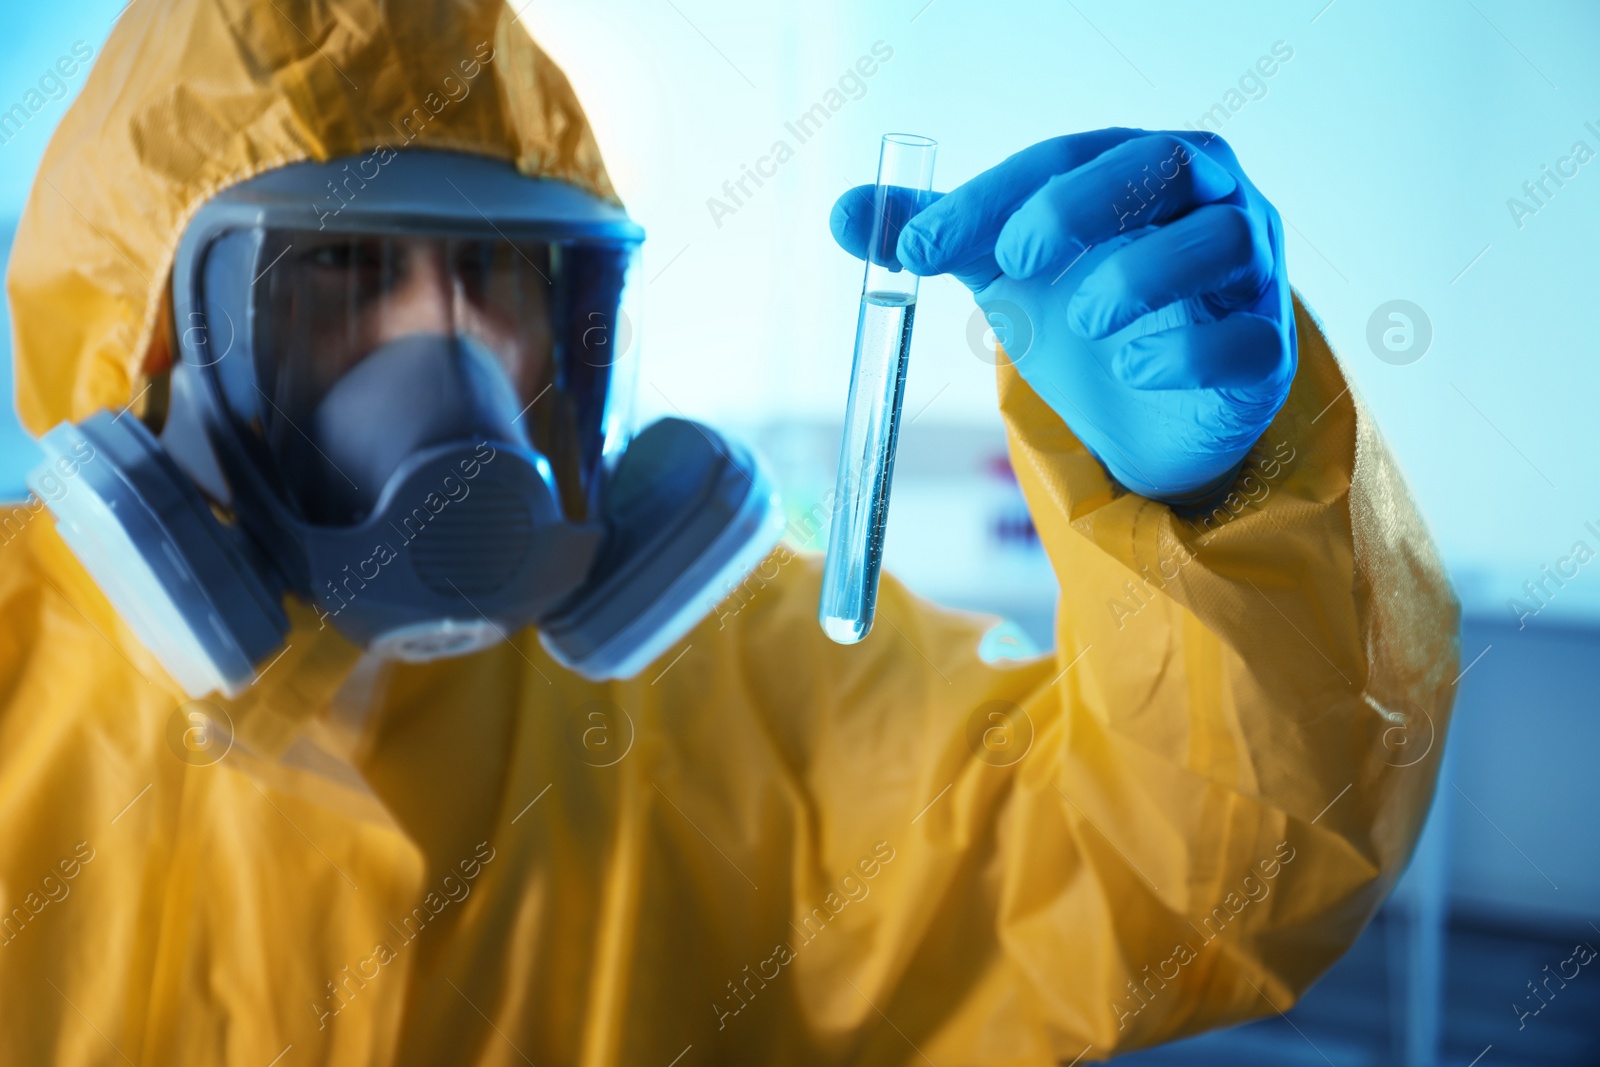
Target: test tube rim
[(910, 140)]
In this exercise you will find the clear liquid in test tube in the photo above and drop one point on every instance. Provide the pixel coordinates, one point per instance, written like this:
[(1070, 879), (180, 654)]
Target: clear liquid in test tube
[(877, 390)]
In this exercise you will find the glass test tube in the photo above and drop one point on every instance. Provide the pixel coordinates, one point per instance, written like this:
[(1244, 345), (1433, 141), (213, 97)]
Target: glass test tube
[(877, 390)]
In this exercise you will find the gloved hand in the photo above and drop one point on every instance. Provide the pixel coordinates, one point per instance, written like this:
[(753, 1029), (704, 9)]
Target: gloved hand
[(1137, 281)]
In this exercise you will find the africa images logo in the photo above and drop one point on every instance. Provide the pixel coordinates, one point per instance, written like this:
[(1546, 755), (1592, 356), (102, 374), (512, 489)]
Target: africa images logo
[(851, 85), (455, 89), (52, 85)]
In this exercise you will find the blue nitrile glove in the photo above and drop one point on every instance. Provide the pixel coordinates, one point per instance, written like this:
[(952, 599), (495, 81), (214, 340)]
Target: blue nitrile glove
[(1136, 279)]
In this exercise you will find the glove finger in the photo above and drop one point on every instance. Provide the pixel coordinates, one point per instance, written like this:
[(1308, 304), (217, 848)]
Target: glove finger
[(957, 235), (1217, 250), (1141, 182), (851, 220), (854, 213), (1243, 352)]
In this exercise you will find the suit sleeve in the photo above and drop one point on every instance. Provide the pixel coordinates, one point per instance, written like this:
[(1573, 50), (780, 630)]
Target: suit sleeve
[(1180, 819)]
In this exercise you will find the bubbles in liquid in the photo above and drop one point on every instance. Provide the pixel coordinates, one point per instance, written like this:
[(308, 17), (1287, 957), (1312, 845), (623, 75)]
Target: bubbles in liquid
[(866, 466)]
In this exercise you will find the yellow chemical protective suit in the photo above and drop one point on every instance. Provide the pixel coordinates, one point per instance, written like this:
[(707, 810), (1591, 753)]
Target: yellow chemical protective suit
[(766, 849)]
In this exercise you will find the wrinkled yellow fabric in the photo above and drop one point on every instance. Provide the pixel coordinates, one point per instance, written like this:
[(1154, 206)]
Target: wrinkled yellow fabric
[(764, 849)]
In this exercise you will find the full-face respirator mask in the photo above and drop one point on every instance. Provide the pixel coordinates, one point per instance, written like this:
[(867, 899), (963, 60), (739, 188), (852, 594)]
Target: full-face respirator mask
[(406, 404)]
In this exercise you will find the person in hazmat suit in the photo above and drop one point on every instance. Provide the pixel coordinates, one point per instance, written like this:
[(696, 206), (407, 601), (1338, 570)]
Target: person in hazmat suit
[(370, 696)]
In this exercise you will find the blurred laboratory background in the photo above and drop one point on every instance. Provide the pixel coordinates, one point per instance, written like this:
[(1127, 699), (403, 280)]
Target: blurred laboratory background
[(1425, 153)]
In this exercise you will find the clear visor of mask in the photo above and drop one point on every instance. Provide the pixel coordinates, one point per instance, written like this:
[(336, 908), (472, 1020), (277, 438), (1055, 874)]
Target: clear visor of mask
[(545, 323)]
